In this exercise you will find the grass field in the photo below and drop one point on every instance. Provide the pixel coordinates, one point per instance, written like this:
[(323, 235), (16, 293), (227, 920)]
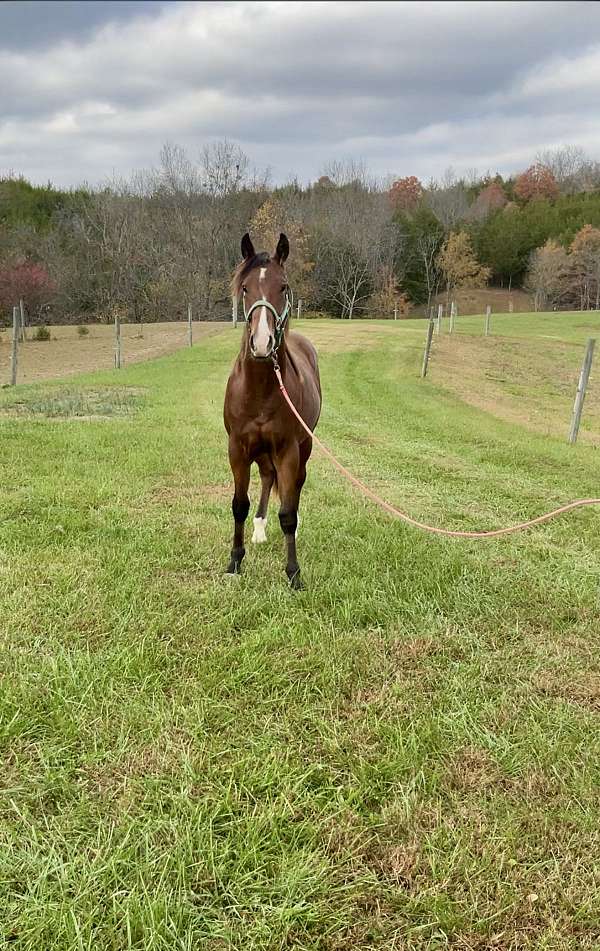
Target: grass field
[(405, 755)]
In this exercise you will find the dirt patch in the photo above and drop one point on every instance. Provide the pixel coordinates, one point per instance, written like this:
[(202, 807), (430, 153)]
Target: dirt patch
[(473, 768), (67, 353), (583, 690)]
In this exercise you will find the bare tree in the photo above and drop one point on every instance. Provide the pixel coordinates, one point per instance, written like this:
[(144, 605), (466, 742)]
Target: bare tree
[(585, 267), (353, 240), (427, 246), (548, 276), (448, 199), (566, 163)]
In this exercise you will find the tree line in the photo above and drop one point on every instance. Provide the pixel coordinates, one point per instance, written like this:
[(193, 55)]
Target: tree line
[(147, 246)]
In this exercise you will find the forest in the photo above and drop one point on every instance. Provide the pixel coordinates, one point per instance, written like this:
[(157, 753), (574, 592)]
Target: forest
[(147, 246)]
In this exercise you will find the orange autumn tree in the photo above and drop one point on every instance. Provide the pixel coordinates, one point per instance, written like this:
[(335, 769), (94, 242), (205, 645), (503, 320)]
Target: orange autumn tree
[(405, 193), (537, 181)]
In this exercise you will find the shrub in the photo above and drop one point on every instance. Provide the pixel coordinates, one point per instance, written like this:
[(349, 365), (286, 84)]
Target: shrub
[(41, 333), (83, 331)]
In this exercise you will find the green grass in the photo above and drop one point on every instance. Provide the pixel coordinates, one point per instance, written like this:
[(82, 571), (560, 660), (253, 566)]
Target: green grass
[(569, 326), (403, 756), (65, 402)]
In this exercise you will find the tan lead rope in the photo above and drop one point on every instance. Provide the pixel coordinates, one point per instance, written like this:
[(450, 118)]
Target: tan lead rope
[(578, 503)]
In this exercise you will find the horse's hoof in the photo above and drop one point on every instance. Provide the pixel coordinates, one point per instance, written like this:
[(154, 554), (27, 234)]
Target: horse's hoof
[(296, 582)]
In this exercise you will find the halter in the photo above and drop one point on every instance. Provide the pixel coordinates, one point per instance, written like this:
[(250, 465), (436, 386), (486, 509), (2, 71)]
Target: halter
[(280, 319)]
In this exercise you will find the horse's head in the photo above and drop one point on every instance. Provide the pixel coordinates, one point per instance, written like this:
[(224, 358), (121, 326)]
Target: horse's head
[(262, 282)]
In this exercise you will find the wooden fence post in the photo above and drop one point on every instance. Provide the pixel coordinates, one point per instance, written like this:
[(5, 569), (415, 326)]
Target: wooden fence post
[(234, 309), (22, 336), (427, 349), (299, 310), (395, 311), (117, 342), (440, 313), (190, 331), (581, 389), (488, 314), (15, 347), (452, 316)]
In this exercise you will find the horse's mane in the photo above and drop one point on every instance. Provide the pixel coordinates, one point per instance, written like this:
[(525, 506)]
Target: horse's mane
[(243, 269)]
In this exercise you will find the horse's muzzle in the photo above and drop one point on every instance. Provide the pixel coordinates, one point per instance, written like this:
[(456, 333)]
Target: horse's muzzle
[(268, 350)]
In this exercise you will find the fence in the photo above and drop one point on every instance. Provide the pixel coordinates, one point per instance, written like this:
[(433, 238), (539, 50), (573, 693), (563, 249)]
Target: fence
[(30, 354), (579, 385)]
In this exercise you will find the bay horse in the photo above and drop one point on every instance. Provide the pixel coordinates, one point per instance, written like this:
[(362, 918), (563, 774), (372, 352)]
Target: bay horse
[(260, 425)]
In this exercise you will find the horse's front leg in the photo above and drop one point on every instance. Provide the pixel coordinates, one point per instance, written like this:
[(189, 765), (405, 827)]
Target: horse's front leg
[(291, 473), (240, 466)]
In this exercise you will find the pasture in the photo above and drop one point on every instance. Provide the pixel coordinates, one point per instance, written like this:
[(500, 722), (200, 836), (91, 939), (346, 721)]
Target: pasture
[(405, 755), (68, 354)]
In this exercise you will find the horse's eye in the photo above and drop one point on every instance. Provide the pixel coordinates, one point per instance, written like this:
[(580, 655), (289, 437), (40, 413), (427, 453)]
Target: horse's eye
[(244, 288)]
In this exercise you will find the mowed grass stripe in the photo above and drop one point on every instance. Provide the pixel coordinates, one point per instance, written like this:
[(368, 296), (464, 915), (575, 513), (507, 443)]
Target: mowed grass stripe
[(403, 755)]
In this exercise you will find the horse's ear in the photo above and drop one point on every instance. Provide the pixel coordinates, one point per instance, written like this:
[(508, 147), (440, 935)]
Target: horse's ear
[(247, 247), (282, 250)]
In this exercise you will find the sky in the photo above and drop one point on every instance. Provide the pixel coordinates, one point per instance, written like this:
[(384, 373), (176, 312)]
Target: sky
[(89, 90)]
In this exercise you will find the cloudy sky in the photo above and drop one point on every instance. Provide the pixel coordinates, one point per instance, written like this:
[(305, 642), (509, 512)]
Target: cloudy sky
[(90, 89)]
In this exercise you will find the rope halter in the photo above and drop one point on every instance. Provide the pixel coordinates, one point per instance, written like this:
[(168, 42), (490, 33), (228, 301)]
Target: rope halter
[(280, 319)]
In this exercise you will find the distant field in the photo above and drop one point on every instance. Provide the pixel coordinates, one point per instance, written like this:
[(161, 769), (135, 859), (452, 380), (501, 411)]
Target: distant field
[(475, 300), (67, 354), (403, 757), (526, 371)]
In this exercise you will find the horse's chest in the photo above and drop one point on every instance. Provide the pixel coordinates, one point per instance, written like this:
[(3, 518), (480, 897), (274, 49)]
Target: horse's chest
[(262, 432)]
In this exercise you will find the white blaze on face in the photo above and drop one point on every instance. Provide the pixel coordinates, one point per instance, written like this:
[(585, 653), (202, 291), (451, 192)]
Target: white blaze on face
[(262, 334)]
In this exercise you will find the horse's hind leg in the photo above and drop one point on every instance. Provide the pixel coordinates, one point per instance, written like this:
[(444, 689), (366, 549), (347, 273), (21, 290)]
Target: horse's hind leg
[(240, 506), (267, 478)]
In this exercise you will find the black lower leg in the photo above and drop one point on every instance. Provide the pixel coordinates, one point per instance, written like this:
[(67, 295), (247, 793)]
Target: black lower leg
[(240, 508), (289, 523)]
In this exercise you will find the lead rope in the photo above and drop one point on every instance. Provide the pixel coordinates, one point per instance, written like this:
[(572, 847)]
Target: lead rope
[(578, 503)]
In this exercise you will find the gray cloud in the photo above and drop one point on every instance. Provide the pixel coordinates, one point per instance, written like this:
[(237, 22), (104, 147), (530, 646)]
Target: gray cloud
[(410, 87), (26, 24)]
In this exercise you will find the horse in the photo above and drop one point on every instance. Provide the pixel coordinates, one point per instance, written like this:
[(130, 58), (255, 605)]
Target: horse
[(260, 426)]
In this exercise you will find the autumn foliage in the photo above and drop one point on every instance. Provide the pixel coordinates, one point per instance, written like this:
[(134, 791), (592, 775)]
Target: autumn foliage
[(536, 182), (585, 266), (266, 226), (28, 281), (491, 198), (405, 193), (459, 265)]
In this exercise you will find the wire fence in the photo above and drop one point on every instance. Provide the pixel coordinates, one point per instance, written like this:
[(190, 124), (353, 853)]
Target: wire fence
[(32, 354), (542, 379)]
